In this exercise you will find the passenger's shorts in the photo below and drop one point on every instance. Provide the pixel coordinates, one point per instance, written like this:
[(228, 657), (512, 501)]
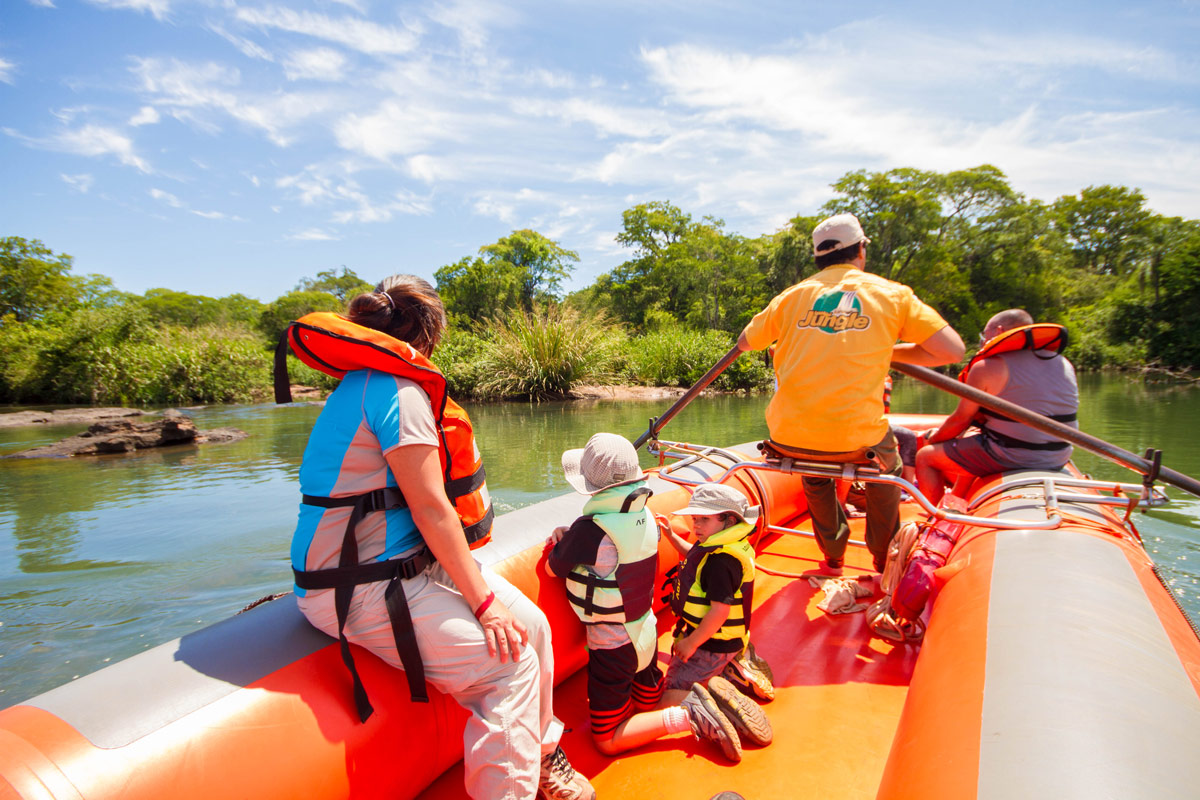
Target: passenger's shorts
[(698, 669), (971, 454), (906, 442), (615, 688), (980, 457)]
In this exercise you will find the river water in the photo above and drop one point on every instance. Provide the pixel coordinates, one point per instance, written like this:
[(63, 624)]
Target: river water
[(103, 557)]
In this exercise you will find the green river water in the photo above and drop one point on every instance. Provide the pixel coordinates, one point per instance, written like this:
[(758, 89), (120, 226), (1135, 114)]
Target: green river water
[(101, 558)]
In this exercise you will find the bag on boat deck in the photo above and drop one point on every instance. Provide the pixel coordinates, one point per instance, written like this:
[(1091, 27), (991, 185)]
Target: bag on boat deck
[(915, 553)]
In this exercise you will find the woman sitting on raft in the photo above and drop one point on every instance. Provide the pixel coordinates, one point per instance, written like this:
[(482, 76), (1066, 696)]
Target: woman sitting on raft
[(480, 640)]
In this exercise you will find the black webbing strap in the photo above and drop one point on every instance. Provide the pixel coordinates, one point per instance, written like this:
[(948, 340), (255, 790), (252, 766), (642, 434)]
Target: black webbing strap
[(1021, 444), (460, 487), (349, 573), (283, 388), (987, 412)]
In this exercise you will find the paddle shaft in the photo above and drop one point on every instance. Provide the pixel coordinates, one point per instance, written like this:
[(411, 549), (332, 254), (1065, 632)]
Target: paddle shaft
[(658, 422), (1046, 425)]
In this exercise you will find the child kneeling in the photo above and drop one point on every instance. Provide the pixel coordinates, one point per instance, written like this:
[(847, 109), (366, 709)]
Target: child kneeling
[(609, 558), (712, 598)]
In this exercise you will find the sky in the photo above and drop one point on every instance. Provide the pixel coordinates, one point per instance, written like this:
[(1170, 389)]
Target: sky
[(240, 146)]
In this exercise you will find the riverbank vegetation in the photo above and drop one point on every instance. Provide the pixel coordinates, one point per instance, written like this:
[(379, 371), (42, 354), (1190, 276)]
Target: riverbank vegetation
[(1123, 279)]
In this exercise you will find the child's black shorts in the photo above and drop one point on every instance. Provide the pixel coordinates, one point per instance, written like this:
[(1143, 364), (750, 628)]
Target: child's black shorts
[(615, 690)]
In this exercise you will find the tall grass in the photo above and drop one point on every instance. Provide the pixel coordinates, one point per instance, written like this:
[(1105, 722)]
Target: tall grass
[(542, 355), (679, 356)]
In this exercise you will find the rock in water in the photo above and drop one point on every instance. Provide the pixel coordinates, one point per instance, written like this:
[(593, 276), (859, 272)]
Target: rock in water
[(124, 436)]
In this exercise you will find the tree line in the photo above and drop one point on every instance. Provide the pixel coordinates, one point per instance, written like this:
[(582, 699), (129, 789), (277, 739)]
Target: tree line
[(1119, 276)]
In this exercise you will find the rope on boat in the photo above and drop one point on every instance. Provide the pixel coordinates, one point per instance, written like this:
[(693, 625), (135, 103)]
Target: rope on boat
[(1155, 569)]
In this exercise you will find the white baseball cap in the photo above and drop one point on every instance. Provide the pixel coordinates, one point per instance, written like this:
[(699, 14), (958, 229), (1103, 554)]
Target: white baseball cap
[(836, 232)]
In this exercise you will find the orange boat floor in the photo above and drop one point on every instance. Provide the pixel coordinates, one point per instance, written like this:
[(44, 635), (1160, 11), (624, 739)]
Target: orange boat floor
[(839, 693)]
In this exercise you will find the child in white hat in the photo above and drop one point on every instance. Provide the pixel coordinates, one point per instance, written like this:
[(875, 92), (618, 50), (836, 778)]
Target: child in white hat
[(712, 598), (609, 560)]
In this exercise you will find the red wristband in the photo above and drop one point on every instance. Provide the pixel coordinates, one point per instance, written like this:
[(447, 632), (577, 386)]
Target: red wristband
[(487, 602)]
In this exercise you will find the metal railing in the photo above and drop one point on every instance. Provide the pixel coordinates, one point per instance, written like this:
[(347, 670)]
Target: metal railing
[(689, 454)]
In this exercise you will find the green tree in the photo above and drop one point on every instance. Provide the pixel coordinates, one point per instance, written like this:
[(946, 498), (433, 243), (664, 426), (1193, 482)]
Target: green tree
[(344, 287), (540, 264), (474, 289), (33, 279), (1104, 225), (290, 307), (1176, 341), (521, 270)]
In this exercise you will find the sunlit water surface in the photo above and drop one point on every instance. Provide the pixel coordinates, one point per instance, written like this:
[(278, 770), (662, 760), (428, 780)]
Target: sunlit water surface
[(103, 557)]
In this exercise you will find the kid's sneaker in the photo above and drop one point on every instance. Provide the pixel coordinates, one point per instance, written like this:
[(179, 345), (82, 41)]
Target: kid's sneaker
[(752, 675), (560, 781), (751, 723), (708, 722)]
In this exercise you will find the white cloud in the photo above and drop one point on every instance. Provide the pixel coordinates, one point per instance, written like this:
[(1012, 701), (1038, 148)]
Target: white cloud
[(166, 197), (42, 3), (248, 48), (219, 215), (80, 183), (322, 64), (146, 115), (357, 34), (471, 19), (6, 70), (97, 140), (159, 8), (189, 89), (314, 235), (396, 128)]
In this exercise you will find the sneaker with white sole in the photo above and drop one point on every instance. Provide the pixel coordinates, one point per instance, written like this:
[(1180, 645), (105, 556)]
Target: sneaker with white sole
[(752, 675), (560, 781), (708, 722), (748, 719)]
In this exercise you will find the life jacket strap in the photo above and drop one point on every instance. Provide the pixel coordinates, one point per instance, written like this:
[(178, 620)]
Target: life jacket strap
[(350, 573), (1021, 444), (987, 412)]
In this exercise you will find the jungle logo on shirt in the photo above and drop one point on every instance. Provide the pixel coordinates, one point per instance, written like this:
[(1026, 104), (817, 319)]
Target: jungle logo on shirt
[(835, 311)]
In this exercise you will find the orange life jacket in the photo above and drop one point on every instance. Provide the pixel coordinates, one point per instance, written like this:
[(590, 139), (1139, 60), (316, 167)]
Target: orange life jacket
[(1038, 336), (335, 345)]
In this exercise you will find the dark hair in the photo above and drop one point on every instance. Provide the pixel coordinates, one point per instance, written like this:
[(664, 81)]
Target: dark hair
[(842, 255), (405, 307)]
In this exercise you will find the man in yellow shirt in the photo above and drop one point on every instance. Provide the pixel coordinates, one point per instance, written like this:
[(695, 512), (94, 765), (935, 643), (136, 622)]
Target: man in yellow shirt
[(835, 334)]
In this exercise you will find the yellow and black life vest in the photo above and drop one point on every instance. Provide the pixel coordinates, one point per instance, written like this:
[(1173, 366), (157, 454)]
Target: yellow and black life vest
[(334, 345), (691, 606)]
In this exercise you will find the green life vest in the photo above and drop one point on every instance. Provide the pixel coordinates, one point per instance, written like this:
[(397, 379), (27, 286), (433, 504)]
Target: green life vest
[(694, 605), (625, 596)]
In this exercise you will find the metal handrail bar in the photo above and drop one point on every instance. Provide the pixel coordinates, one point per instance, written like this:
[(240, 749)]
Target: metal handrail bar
[(1132, 490), (1050, 486), (872, 475)]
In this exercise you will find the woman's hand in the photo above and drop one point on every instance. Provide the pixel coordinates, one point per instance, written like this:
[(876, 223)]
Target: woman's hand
[(503, 632)]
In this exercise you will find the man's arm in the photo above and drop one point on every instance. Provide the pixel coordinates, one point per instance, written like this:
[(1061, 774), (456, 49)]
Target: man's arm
[(742, 344), (989, 375), (944, 347)]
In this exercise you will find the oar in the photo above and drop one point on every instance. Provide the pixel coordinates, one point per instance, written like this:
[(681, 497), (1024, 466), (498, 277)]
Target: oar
[(1046, 425), (657, 423)]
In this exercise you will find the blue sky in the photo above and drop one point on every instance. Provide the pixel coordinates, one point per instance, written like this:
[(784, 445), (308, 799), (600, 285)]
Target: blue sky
[(221, 146)]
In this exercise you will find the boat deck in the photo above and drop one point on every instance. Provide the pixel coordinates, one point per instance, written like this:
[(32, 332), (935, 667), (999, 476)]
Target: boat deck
[(839, 693)]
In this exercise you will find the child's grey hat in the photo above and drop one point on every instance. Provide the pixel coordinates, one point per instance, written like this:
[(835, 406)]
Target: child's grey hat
[(717, 498), (608, 460)]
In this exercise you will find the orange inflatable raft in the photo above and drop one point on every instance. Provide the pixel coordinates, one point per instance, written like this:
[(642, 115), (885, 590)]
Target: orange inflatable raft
[(1054, 664)]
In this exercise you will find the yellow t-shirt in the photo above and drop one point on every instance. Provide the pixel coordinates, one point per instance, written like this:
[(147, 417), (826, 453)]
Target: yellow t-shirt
[(835, 333)]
